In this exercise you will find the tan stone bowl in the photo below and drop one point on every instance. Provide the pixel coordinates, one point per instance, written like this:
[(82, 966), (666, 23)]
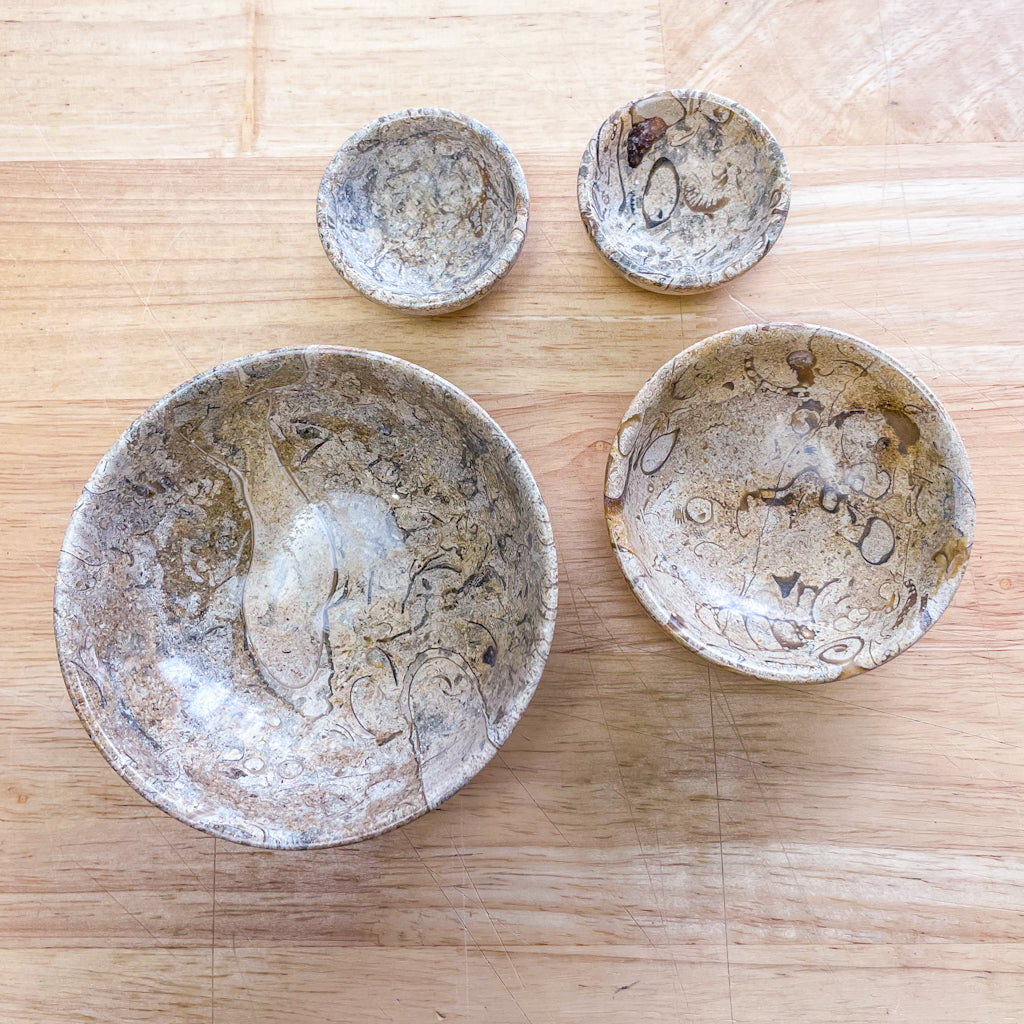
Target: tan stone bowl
[(306, 597), (790, 502), (683, 190), (423, 210)]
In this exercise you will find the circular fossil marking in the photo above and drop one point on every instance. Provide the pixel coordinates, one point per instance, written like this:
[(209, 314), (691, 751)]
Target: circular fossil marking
[(661, 193), (658, 451), (877, 542), (841, 652), (699, 510)]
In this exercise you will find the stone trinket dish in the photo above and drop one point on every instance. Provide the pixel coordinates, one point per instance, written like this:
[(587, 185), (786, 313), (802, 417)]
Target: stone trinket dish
[(306, 597), (683, 190), (423, 210), (790, 502)]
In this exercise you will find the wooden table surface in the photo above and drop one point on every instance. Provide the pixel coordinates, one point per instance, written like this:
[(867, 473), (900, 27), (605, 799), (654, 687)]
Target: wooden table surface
[(659, 840)]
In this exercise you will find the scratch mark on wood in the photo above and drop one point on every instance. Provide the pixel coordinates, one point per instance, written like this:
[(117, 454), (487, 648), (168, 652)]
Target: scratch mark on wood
[(757, 316), (533, 799), (461, 918), (487, 914)]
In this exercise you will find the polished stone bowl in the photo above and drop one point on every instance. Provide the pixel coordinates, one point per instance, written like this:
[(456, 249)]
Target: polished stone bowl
[(683, 190), (423, 210), (790, 502), (306, 597)]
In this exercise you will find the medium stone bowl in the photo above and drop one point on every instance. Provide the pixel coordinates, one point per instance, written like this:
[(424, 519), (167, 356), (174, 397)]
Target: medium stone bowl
[(423, 210), (306, 597), (683, 190), (790, 502)]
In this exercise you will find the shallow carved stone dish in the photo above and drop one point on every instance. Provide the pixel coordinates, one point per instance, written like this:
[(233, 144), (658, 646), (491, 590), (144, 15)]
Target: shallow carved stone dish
[(423, 210), (790, 502), (306, 597), (683, 190)]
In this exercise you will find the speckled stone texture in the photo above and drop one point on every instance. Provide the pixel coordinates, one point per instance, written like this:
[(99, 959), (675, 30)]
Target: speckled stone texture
[(423, 210), (790, 502), (306, 597), (683, 190)]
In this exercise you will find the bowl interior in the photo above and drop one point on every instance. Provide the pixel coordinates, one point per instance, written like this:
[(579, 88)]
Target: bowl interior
[(419, 206), (306, 597), (682, 190), (789, 502)]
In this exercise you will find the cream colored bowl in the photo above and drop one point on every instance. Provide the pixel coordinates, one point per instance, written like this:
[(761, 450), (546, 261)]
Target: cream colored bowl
[(306, 597), (683, 190), (423, 210), (790, 502)]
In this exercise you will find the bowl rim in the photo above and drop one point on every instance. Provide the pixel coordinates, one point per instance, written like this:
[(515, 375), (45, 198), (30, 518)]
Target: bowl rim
[(438, 302), (534, 506), (626, 264), (679, 629)]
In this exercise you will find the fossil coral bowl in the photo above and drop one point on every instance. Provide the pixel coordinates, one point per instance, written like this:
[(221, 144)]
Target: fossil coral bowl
[(423, 210), (683, 190), (790, 502), (305, 597)]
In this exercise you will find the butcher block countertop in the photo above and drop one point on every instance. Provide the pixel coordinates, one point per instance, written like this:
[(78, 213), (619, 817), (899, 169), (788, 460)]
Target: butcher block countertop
[(659, 840)]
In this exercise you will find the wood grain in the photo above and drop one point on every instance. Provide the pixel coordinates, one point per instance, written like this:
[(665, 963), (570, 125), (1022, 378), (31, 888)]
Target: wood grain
[(658, 841)]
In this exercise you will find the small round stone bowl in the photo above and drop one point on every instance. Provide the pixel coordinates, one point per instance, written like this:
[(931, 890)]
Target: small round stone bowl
[(423, 210), (683, 190)]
